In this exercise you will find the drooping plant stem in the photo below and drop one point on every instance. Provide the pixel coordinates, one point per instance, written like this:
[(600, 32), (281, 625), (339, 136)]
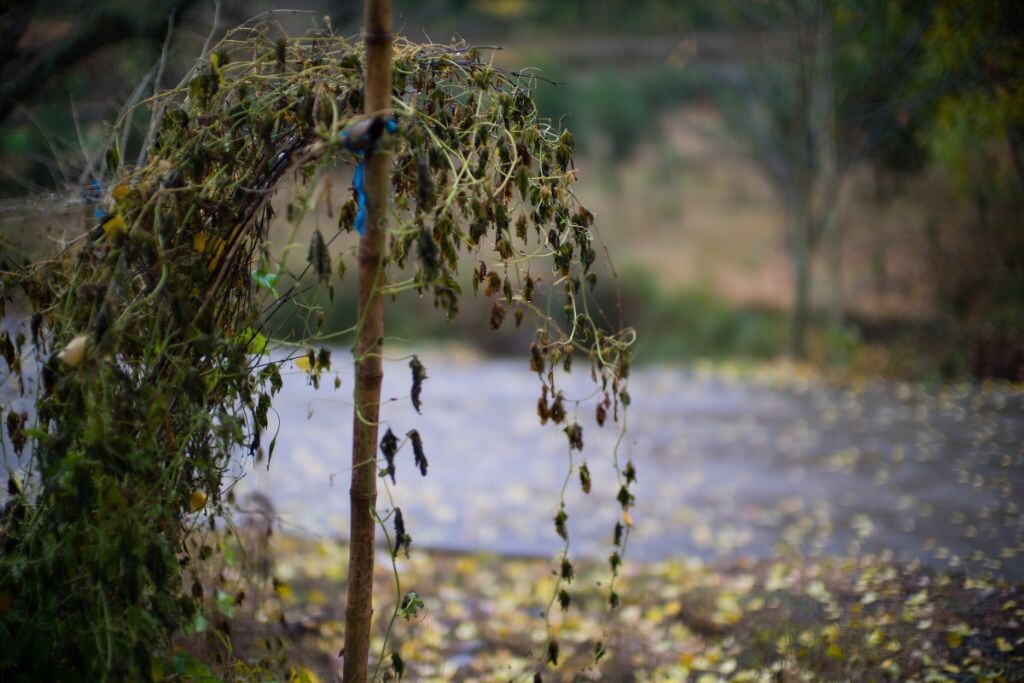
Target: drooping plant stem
[(369, 372)]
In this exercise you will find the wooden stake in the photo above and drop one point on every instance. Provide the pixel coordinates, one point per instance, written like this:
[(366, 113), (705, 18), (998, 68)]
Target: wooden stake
[(369, 372)]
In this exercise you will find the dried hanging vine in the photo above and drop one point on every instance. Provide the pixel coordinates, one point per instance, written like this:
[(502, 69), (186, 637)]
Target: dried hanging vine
[(149, 335)]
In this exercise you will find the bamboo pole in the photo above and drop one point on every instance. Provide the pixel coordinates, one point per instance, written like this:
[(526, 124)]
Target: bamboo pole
[(369, 372)]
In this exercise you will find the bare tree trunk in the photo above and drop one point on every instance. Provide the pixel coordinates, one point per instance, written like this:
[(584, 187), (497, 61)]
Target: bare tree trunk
[(369, 371), (800, 250), (833, 235), (801, 300)]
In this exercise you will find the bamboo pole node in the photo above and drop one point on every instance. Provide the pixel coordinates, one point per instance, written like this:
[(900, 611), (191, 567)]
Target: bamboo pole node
[(377, 38)]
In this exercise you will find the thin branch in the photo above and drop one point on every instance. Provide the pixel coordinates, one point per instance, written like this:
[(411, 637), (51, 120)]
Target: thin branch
[(159, 108), (213, 29)]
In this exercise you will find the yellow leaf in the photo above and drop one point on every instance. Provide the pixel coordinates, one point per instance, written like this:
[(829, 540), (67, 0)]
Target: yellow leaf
[(918, 598), (218, 252), (816, 589), (197, 501), (302, 363), (199, 241), (217, 67), (467, 566), (954, 639), (115, 226), (1003, 644), (835, 652), (875, 637), (627, 518), (220, 247), (284, 591), (120, 191), (891, 667), (728, 610), (301, 674)]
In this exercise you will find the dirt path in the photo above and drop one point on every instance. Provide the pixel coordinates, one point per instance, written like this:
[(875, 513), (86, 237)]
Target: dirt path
[(763, 466)]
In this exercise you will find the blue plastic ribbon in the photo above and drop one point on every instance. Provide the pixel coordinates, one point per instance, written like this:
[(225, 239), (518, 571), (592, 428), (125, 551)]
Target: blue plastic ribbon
[(359, 181), (92, 195)]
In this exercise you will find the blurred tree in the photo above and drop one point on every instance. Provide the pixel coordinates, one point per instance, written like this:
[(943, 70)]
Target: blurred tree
[(831, 94), (56, 54), (975, 59), (978, 48), (28, 63), (66, 66), (584, 18), (615, 107)]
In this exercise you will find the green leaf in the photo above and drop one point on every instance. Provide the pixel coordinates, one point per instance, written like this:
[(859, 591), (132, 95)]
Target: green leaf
[(225, 604), (199, 624), (257, 341), (265, 280)]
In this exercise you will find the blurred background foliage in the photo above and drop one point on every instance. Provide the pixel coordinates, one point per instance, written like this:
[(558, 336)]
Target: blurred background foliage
[(838, 180)]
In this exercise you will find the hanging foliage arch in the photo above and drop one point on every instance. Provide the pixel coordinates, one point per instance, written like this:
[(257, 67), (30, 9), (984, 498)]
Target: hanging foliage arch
[(145, 347)]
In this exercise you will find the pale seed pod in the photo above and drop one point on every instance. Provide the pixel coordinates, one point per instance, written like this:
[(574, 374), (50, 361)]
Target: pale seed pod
[(72, 354)]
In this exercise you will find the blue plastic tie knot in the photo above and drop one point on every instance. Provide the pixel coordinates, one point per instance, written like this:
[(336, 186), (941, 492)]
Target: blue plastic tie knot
[(359, 179)]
